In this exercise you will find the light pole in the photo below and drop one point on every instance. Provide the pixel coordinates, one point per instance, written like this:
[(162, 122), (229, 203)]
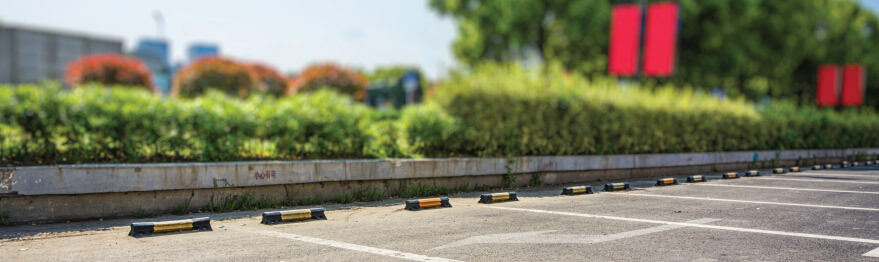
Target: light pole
[(160, 23)]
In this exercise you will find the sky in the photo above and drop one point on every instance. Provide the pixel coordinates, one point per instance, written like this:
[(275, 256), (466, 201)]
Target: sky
[(288, 35)]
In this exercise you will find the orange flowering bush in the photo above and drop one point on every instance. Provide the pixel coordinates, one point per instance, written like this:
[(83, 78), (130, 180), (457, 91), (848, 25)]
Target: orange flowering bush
[(272, 82), (222, 74), (109, 69), (329, 75)]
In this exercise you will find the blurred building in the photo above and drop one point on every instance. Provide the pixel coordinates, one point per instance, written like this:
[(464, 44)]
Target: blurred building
[(155, 53), (30, 54), (197, 51)]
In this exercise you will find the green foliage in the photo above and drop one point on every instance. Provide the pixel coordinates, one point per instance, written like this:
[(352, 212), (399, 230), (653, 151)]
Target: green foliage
[(363, 194), (4, 218), (242, 202), (215, 73), (503, 110), (493, 110), (406, 190), (182, 208), (509, 178), (535, 180), (749, 48), (45, 125)]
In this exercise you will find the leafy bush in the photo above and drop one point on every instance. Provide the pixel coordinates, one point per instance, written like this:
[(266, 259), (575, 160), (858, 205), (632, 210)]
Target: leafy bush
[(227, 76), (273, 83), (109, 69), (45, 125), (494, 110), (321, 76), (503, 110)]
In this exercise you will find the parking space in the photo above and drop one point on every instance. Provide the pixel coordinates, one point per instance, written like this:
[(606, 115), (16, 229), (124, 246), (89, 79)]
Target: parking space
[(812, 215)]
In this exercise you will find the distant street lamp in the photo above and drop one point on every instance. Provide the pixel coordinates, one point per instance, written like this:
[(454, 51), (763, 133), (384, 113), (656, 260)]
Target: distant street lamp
[(160, 23)]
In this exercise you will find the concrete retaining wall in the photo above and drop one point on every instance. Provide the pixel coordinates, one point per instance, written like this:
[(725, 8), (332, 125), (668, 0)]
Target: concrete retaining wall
[(67, 192)]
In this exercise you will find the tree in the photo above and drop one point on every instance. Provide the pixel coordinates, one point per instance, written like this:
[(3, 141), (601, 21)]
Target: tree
[(750, 48), (227, 76), (330, 75), (273, 83), (109, 69)]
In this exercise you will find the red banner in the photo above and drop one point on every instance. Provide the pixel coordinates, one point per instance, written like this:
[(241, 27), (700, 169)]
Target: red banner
[(625, 37), (854, 78), (828, 85), (660, 39)]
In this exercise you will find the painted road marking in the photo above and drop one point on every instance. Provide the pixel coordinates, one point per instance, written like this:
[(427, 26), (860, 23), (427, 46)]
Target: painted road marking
[(872, 253), (818, 180), (829, 174), (541, 237), (791, 188), (738, 229), (349, 246), (754, 202)]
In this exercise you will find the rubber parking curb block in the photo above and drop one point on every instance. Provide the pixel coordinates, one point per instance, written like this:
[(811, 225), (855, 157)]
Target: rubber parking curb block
[(868, 163), (419, 204), (498, 197), (752, 173), (856, 164), (779, 171), (577, 190), (667, 182), (275, 217), (795, 169), (617, 186), (816, 167), (828, 166), (697, 178), (141, 229), (844, 164), (730, 175)]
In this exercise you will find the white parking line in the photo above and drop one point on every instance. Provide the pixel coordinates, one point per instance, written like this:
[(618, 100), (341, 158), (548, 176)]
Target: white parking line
[(752, 202), (828, 174), (791, 188), (738, 229), (544, 237), (872, 253), (343, 245), (819, 180)]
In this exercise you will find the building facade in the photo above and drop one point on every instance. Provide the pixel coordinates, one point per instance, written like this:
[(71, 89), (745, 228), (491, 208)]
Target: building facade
[(30, 54), (197, 51), (155, 53)]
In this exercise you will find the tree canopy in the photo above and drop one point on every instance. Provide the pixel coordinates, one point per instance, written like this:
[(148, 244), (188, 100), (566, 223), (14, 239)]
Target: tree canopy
[(751, 48)]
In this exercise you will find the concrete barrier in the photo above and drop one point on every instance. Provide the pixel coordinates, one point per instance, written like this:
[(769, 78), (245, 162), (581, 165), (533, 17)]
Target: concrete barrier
[(65, 192)]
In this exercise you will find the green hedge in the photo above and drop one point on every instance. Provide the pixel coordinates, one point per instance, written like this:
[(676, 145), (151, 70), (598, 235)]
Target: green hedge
[(503, 110), (44, 125), (495, 110)]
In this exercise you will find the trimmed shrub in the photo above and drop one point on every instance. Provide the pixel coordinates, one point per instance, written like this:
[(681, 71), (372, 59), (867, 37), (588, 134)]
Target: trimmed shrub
[(321, 76), (496, 110), (273, 83), (46, 125), (224, 75), (109, 69), (503, 110)]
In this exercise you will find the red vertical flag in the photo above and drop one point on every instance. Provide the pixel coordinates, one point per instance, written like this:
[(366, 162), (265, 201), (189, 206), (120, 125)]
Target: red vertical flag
[(828, 85), (625, 38), (660, 39), (853, 81)]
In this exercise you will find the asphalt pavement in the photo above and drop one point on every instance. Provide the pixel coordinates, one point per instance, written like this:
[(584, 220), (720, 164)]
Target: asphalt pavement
[(823, 215)]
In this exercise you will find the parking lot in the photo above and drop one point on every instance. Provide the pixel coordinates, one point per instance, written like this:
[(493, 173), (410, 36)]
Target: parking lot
[(811, 215)]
